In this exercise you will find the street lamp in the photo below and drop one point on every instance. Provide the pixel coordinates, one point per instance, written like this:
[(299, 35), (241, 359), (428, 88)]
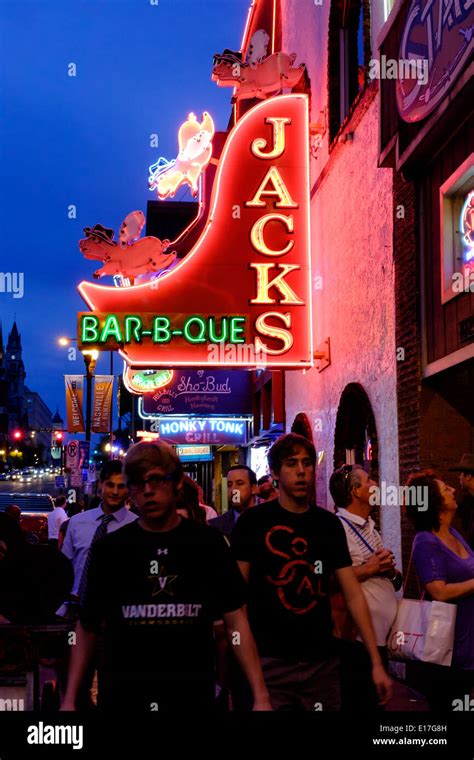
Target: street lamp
[(90, 359)]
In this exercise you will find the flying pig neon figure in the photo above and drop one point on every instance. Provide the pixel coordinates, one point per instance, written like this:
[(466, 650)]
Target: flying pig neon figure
[(246, 281), (195, 151)]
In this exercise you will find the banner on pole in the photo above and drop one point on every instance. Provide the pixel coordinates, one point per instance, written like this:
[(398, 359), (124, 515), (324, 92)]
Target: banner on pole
[(103, 388), (74, 395)]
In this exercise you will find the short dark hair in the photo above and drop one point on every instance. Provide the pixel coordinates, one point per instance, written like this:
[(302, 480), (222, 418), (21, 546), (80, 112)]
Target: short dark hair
[(60, 501), (425, 519), (112, 467), (341, 483), (145, 455), (285, 446), (11, 533), (264, 479), (251, 474)]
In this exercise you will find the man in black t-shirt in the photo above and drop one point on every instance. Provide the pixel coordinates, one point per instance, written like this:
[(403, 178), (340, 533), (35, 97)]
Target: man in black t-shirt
[(287, 551), (155, 587)]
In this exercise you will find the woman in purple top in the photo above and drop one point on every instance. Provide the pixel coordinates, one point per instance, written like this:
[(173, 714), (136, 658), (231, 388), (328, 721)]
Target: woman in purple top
[(444, 564)]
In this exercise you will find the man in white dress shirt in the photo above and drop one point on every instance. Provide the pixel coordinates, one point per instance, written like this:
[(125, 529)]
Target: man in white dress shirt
[(83, 527), (353, 492), (83, 530)]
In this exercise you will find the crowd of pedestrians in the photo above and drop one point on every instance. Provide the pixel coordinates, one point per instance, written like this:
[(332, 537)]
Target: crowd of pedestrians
[(274, 605)]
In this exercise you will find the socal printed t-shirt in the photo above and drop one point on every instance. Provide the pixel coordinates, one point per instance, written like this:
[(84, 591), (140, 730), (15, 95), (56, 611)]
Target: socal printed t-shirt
[(292, 556), (159, 594)]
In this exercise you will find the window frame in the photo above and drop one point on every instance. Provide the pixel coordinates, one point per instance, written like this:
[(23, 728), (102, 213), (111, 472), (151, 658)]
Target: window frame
[(452, 194)]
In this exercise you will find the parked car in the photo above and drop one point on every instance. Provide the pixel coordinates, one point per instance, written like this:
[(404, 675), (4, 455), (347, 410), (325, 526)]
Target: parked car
[(35, 508)]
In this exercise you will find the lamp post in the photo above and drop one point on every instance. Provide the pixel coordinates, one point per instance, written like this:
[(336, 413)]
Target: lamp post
[(90, 359)]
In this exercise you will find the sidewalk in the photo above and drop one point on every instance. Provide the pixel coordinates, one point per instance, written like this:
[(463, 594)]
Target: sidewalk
[(406, 699)]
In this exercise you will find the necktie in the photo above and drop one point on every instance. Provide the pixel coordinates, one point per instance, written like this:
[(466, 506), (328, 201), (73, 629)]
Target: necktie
[(100, 533)]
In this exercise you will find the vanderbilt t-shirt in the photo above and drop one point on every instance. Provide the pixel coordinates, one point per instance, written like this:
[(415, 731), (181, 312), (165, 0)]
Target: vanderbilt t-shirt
[(158, 595), (292, 556)]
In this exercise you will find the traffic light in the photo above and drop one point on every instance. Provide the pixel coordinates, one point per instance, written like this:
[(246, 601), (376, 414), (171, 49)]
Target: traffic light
[(58, 437), (17, 435)]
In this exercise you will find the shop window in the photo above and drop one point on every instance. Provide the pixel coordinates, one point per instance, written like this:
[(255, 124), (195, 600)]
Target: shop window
[(348, 58), (456, 199)]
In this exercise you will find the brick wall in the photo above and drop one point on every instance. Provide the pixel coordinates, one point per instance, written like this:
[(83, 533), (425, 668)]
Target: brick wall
[(408, 338), (447, 428)]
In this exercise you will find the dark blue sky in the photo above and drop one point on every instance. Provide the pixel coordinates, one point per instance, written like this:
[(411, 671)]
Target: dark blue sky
[(85, 140)]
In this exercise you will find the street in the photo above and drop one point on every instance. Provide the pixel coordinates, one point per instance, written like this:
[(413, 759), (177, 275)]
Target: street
[(46, 484)]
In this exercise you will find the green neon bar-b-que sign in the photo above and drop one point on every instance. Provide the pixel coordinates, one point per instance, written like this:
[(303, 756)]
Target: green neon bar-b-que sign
[(125, 329)]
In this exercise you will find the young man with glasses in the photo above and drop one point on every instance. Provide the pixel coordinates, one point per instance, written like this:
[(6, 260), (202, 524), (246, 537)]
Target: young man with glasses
[(156, 587), (287, 550)]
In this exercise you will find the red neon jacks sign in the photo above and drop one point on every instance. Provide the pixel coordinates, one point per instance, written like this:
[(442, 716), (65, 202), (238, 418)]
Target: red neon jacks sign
[(241, 297)]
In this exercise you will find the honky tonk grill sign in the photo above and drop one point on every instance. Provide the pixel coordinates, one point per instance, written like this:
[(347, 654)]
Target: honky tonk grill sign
[(245, 286)]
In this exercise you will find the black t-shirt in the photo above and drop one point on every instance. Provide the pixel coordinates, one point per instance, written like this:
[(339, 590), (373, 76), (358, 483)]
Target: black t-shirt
[(292, 556), (158, 595)]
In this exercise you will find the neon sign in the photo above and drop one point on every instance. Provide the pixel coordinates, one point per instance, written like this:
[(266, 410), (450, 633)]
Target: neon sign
[(467, 227), (200, 392), (125, 329), (440, 34), (146, 380), (195, 152), (246, 281), (211, 430)]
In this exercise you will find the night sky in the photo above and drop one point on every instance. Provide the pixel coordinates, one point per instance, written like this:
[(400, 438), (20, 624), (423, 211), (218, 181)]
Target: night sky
[(85, 140)]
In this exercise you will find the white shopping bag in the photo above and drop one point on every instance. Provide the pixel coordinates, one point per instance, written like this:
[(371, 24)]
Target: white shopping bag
[(423, 631)]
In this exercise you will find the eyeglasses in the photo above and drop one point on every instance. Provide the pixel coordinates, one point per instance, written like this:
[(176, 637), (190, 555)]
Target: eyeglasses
[(154, 481)]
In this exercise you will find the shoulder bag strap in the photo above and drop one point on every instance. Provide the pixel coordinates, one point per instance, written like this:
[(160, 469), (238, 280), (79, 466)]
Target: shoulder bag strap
[(356, 532), (410, 563)]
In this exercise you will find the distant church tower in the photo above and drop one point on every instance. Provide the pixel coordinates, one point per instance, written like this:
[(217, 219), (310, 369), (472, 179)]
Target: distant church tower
[(3, 398), (15, 374)]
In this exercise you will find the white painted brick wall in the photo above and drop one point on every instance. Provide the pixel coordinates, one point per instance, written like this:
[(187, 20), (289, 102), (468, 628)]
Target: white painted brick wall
[(351, 216)]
